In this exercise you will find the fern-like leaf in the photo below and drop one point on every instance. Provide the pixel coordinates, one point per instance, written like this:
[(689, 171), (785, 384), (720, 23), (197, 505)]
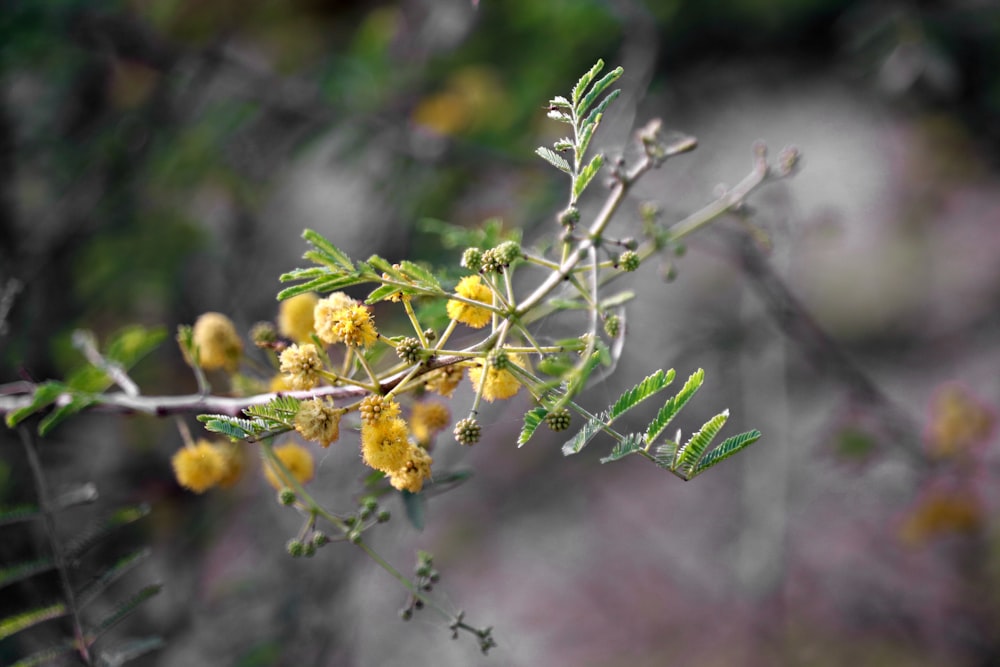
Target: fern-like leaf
[(553, 158), (665, 453), (586, 175), (45, 656), (728, 447), (89, 592), (19, 514), (122, 611), (593, 118), (593, 426), (332, 252), (21, 571), (674, 405), (27, 619), (584, 81), (690, 454), (63, 412), (597, 89), (280, 409), (236, 428), (629, 445), (532, 420), (100, 530), (653, 384), (420, 275)]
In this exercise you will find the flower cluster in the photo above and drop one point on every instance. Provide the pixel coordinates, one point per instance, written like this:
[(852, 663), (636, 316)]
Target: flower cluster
[(202, 465)]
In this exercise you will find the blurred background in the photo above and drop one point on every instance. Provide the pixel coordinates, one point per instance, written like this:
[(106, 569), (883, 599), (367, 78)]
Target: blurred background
[(160, 159)]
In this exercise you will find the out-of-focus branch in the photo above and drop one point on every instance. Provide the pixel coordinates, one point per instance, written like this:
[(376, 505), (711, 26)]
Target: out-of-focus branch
[(820, 349)]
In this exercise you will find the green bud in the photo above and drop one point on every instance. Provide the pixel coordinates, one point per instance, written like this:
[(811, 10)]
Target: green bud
[(286, 496), (295, 548)]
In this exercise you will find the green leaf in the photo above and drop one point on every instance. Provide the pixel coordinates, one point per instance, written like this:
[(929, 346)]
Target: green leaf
[(414, 504), (653, 384), (597, 89), (60, 414), (93, 588), (674, 405), (593, 426), (19, 514), (383, 292), (24, 620), (585, 80), (280, 409), (45, 394), (47, 655), (618, 299), (305, 274), (585, 136), (664, 456), (532, 419), (129, 345), (728, 447), (594, 117), (553, 158), (99, 531), (383, 265), (21, 571), (331, 251), (585, 176), (690, 454), (233, 427), (561, 102), (123, 610), (630, 445), (331, 283), (421, 275)]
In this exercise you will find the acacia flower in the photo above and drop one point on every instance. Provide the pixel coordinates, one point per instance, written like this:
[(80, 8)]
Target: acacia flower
[(352, 325), (217, 342), (427, 418), (296, 459), (443, 380), (471, 287), (325, 308), (376, 408), (384, 444), (319, 421), (301, 365), (499, 384), (295, 316), (198, 467), (410, 477)]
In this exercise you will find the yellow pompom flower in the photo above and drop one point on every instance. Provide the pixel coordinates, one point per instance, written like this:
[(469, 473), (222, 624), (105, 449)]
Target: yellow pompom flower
[(198, 467), (427, 418), (319, 421), (376, 408), (296, 459), (443, 380), (352, 325), (233, 463), (301, 364), (217, 342), (471, 287), (295, 317), (323, 314), (499, 384), (384, 444), (413, 473)]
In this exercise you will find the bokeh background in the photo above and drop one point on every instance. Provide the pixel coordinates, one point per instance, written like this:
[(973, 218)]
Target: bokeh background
[(161, 157)]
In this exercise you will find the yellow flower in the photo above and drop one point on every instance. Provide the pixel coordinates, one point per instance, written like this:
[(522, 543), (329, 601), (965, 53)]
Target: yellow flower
[(323, 312), (443, 380), (500, 384), (427, 418), (942, 512), (217, 342), (198, 467), (471, 287), (417, 468), (319, 421), (233, 462), (301, 364), (295, 316), (296, 458), (352, 325), (375, 408), (958, 422), (384, 445)]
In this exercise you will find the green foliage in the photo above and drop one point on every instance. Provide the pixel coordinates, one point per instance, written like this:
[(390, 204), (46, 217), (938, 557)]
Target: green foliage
[(264, 420)]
